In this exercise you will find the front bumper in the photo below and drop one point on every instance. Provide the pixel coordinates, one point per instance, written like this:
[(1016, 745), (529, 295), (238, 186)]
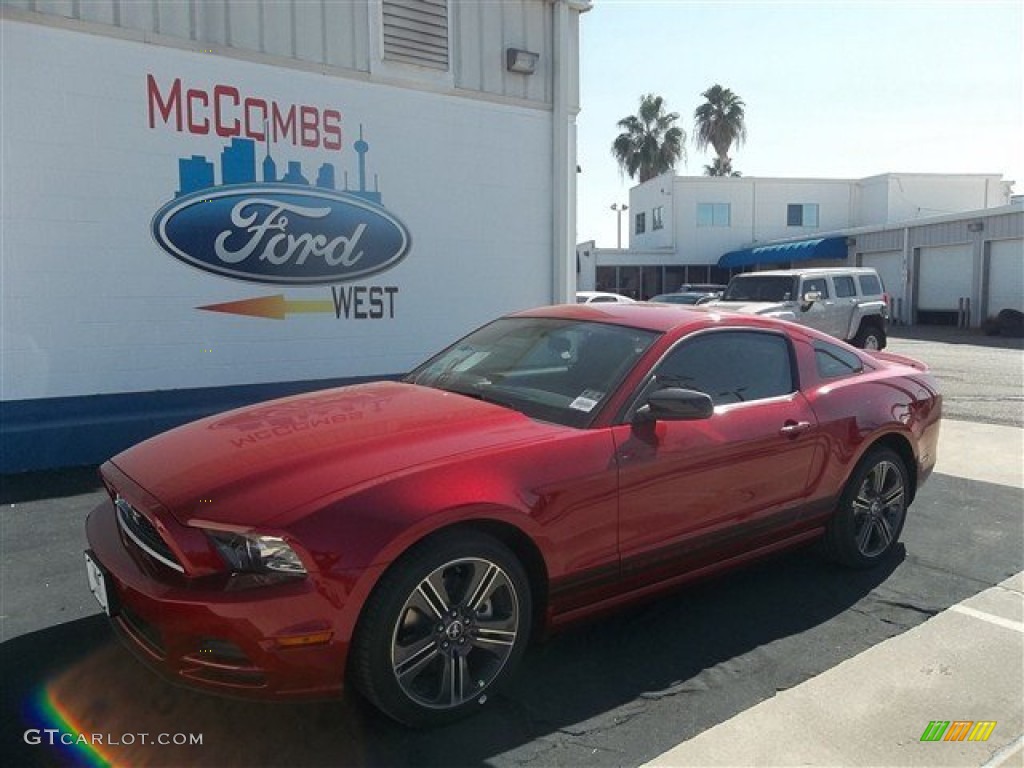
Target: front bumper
[(280, 641)]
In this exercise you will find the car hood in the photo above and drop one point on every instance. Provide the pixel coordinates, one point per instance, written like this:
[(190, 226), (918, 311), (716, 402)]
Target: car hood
[(774, 309), (245, 467)]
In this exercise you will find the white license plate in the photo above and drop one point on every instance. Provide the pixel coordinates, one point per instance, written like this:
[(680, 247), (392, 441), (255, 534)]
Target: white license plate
[(98, 583)]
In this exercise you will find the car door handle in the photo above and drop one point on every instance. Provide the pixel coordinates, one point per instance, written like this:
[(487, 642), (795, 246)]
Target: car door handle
[(794, 428)]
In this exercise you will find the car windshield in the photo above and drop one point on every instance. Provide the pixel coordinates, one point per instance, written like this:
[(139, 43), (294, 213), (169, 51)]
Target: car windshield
[(551, 369), (760, 288), (678, 298)]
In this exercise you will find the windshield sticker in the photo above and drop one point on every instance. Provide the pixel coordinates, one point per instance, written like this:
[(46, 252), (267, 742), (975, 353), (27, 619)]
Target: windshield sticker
[(587, 401)]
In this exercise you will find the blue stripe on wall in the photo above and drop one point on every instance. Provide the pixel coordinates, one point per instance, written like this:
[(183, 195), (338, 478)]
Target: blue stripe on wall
[(76, 431)]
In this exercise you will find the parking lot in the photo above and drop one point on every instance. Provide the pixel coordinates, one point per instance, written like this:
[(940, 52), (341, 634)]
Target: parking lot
[(792, 661)]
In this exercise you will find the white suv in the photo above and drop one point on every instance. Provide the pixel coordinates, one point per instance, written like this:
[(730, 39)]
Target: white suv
[(848, 303)]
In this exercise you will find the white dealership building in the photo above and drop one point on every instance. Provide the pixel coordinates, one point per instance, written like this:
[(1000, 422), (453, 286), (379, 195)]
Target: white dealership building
[(208, 203), (945, 245)]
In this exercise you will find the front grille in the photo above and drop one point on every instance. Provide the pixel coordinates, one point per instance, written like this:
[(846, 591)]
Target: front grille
[(145, 535)]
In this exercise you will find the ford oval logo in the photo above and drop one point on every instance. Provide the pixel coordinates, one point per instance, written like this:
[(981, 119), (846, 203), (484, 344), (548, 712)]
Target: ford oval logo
[(281, 233)]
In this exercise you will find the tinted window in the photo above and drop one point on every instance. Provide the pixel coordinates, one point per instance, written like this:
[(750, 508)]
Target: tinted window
[(815, 284), (844, 286), (760, 288), (870, 285), (835, 361), (730, 366)]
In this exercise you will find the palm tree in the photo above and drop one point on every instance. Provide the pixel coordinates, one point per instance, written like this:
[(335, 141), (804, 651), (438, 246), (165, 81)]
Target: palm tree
[(718, 168), (719, 121), (650, 143)]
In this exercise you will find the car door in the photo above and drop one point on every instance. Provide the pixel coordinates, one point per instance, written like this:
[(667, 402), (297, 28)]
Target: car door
[(820, 314), (694, 492)]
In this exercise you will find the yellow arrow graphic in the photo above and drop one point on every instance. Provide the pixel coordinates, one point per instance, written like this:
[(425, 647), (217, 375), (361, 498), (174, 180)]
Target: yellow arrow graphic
[(273, 307)]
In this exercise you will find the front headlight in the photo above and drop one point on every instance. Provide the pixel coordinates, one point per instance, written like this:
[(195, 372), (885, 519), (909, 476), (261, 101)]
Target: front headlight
[(251, 553)]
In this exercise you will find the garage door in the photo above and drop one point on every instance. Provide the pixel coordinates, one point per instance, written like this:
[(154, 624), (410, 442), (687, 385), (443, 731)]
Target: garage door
[(889, 265), (1006, 276), (946, 275)]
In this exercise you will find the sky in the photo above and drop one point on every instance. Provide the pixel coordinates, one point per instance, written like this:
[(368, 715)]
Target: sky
[(832, 89)]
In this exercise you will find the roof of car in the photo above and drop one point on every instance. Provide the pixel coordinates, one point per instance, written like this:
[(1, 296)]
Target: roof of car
[(647, 316), (809, 271)]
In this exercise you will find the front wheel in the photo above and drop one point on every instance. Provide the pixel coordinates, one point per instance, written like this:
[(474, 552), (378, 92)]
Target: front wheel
[(871, 512), (446, 624)]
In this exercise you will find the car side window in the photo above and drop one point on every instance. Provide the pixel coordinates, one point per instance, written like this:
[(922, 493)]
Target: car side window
[(844, 286), (834, 361), (818, 284), (730, 366)]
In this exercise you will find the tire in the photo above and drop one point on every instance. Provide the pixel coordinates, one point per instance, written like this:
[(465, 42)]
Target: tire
[(869, 336), (867, 524), (446, 624)]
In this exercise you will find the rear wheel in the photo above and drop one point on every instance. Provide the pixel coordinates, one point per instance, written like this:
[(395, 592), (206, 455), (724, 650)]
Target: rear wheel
[(445, 625), (869, 337), (871, 512)]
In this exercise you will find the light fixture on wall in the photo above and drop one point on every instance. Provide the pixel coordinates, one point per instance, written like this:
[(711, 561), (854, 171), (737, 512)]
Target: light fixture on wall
[(523, 62), (975, 226)]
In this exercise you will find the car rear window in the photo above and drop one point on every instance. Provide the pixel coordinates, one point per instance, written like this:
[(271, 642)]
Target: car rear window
[(870, 285), (834, 361)]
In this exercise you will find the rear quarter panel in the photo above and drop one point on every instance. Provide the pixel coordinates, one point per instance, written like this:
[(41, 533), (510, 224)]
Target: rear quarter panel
[(891, 400)]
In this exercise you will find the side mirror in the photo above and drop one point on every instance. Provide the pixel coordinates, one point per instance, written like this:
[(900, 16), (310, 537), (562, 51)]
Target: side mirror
[(809, 298), (676, 404)]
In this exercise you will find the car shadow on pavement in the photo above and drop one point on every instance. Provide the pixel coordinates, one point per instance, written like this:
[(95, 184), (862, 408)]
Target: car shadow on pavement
[(77, 678), (48, 484)]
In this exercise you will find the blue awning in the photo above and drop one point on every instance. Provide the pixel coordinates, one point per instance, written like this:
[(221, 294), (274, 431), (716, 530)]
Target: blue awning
[(803, 250)]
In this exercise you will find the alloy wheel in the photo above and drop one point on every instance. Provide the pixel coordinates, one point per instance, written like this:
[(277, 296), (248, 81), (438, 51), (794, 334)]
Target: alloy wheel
[(878, 509), (455, 633)]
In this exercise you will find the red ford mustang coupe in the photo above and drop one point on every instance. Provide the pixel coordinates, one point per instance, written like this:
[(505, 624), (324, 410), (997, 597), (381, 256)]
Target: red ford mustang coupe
[(409, 537)]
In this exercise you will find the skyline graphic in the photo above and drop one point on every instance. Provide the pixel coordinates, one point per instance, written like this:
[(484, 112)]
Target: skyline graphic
[(238, 166)]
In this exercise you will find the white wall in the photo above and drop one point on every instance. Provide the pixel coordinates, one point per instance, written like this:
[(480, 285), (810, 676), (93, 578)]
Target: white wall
[(904, 197), (92, 305)]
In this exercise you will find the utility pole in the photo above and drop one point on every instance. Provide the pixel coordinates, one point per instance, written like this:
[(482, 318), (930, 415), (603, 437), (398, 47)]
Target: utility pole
[(619, 209)]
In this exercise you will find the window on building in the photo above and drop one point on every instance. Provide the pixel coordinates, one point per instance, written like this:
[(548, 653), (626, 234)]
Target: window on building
[(844, 286), (802, 215), (657, 217), (641, 223), (714, 214), (416, 32)]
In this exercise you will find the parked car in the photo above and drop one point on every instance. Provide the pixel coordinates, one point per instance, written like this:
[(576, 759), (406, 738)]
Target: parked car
[(410, 537), (704, 287), (686, 297), (601, 297), (848, 303)]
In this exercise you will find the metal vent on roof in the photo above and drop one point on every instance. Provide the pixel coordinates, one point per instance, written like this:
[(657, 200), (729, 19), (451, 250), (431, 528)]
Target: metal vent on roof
[(416, 32)]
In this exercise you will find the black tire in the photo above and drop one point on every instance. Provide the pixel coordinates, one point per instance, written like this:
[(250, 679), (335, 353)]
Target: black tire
[(867, 524), (446, 624), (869, 336)]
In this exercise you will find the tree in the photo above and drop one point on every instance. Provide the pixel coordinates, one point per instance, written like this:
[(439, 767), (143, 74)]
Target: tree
[(650, 143), (718, 168), (720, 122)]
